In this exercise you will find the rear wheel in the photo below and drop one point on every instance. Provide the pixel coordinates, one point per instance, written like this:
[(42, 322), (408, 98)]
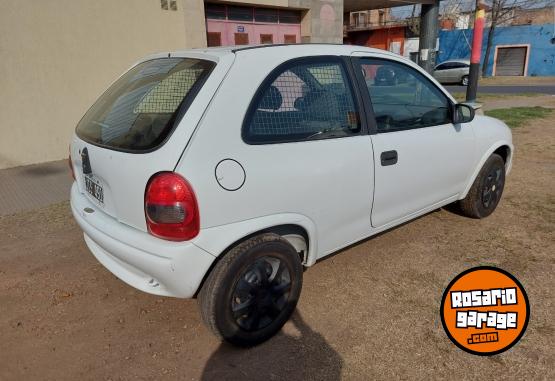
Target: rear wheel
[(485, 193), (252, 291), (464, 80)]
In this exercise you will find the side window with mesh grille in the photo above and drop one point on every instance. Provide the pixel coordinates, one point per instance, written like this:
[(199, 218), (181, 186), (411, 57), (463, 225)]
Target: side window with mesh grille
[(304, 102)]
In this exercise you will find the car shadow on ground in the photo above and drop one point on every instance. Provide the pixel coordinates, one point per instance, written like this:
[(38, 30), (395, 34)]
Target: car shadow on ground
[(454, 208), (296, 353)]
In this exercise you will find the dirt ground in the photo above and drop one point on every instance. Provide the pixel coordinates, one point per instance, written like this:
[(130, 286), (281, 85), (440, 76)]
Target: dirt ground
[(370, 312)]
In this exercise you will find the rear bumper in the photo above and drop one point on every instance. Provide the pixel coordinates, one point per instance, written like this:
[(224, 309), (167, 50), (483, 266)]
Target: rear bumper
[(147, 263)]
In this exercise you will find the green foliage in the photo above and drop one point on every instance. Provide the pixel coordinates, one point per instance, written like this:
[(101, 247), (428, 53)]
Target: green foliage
[(517, 116)]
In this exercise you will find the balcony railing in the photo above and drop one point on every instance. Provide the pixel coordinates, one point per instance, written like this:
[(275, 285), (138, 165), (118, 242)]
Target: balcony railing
[(373, 25)]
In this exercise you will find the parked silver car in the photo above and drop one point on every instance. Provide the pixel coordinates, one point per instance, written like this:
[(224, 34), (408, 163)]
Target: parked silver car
[(453, 71)]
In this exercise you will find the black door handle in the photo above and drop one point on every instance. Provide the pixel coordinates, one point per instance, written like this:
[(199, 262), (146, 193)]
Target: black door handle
[(389, 158)]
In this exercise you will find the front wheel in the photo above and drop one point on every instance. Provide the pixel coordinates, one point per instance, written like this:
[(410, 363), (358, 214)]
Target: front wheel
[(252, 291), (486, 191), (464, 80)]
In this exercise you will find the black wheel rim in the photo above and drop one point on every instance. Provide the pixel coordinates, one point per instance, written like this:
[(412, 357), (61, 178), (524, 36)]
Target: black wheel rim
[(261, 293), (493, 185)]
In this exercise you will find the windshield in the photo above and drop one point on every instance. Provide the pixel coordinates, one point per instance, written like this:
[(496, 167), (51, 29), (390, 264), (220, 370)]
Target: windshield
[(140, 109)]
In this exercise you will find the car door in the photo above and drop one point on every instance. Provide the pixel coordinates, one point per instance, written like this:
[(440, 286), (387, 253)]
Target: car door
[(450, 73), (460, 70), (421, 158), (308, 118), (304, 149), (440, 72)]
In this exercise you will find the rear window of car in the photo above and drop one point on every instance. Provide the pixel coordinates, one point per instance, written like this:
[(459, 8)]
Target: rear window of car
[(141, 108)]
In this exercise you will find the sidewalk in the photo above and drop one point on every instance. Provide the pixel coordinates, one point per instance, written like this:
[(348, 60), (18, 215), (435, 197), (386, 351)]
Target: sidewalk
[(516, 81), (34, 186)]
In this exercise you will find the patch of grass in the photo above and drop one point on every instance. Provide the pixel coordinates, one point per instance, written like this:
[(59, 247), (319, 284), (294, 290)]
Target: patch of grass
[(516, 116), (482, 97)]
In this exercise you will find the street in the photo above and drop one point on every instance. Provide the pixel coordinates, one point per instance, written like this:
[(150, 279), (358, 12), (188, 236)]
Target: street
[(507, 89)]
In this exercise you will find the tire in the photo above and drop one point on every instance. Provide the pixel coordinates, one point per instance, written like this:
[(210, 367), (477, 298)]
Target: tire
[(464, 80), (252, 291), (485, 193)]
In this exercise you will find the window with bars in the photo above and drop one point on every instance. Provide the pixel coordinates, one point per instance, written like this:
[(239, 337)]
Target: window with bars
[(303, 102), (170, 5), (290, 39), (214, 39), (240, 13), (215, 11), (266, 15), (289, 17), (249, 14), (266, 39)]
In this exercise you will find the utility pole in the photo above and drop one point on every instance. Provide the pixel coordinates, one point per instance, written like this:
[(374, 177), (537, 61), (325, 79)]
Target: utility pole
[(477, 36), (429, 18)]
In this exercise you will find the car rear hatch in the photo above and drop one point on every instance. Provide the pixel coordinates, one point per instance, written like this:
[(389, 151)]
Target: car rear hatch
[(140, 126)]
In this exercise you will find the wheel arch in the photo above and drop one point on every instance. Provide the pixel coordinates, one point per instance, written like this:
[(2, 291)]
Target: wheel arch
[(463, 78), (505, 152), (287, 231), (298, 230), (503, 149)]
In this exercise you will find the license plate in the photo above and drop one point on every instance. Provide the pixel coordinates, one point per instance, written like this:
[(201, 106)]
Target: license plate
[(94, 189)]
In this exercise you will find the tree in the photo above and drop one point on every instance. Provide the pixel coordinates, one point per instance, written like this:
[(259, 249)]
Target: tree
[(502, 12)]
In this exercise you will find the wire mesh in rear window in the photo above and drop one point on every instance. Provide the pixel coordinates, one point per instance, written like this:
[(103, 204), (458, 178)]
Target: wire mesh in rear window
[(167, 96), (303, 102), (139, 110)]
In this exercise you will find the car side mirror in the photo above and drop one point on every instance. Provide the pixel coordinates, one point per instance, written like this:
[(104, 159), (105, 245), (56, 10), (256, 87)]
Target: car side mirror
[(463, 113)]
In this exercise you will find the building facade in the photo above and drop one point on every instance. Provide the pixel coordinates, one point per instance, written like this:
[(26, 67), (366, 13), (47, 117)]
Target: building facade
[(376, 28), (523, 42), (58, 56), (524, 50), (242, 25)]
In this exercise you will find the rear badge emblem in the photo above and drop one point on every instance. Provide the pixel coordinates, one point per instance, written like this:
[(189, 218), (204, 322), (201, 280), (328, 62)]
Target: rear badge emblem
[(85, 161)]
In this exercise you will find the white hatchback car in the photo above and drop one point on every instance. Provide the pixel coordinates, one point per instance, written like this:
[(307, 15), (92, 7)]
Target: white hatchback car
[(222, 173)]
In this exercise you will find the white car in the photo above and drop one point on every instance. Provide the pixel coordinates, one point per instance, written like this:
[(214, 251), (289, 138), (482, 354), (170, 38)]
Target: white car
[(453, 71), (222, 173)]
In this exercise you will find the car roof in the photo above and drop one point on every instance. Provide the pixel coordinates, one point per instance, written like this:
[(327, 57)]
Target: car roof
[(254, 50), (463, 60)]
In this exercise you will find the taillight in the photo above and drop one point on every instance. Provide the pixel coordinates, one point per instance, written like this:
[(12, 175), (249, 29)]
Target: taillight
[(171, 207), (71, 164)]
